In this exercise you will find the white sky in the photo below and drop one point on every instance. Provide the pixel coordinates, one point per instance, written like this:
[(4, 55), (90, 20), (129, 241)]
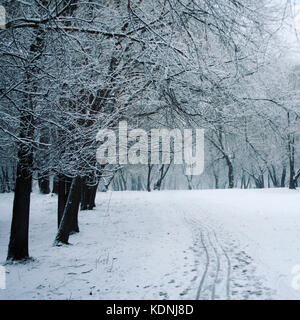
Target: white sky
[(290, 33)]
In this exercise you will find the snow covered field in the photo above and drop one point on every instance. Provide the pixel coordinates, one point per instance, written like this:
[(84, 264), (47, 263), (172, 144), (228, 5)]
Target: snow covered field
[(210, 244)]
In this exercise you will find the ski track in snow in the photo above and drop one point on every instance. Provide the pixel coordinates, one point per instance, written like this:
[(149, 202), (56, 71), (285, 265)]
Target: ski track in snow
[(226, 273), (138, 245)]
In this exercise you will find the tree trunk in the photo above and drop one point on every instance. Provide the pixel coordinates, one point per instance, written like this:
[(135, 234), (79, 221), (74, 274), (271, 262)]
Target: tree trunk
[(292, 184), (163, 172), (84, 195), (68, 217), (216, 179), (230, 173), (259, 181), (18, 244), (283, 175), (88, 195), (150, 166), (44, 184), (273, 176), (92, 197), (42, 160), (291, 153), (74, 225), (63, 191), (55, 184)]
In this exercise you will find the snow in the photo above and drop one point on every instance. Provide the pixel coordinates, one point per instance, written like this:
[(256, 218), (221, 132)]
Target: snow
[(204, 244)]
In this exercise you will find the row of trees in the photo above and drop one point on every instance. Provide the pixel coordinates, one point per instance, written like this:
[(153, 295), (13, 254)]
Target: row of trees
[(71, 67)]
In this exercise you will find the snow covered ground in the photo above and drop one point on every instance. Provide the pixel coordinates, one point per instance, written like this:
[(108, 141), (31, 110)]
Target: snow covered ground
[(209, 244)]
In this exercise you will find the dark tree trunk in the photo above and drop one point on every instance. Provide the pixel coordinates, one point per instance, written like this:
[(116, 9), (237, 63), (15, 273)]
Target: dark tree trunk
[(44, 184), (42, 160), (68, 218), (74, 224), (88, 195), (92, 203), (259, 181), (283, 176), (292, 184), (243, 181), (273, 176), (230, 173), (55, 184), (189, 181), (150, 166), (84, 195), (216, 179), (63, 191), (163, 173), (18, 244), (6, 177), (291, 153)]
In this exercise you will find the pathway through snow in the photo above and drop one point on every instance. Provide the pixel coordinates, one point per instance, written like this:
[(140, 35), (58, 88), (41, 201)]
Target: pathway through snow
[(214, 244)]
